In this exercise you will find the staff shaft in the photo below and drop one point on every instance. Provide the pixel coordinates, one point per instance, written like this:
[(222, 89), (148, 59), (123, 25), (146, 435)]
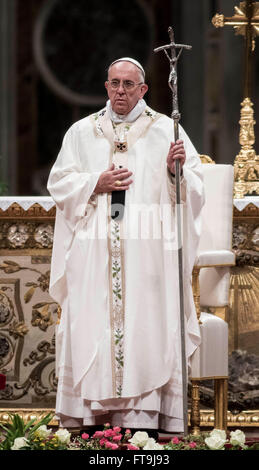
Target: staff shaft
[(172, 82), (181, 288)]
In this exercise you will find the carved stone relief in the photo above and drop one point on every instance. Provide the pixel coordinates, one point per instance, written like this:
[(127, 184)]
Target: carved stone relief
[(28, 314), (27, 332)]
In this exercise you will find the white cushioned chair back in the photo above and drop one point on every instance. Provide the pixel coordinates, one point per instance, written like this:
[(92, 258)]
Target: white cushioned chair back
[(218, 208), (214, 287), (210, 359)]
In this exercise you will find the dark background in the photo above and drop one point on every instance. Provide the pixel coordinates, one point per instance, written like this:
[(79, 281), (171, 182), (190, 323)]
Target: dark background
[(53, 60)]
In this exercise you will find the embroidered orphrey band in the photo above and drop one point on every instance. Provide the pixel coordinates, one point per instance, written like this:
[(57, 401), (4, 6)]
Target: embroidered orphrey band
[(117, 304)]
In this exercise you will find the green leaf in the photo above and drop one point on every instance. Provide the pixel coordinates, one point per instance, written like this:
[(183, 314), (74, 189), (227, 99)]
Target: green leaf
[(29, 424), (45, 420), (4, 427)]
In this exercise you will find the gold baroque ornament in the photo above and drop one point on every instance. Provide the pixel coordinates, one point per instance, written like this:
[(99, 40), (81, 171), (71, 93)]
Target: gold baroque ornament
[(44, 235), (206, 159), (242, 419), (218, 20), (240, 20), (18, 329), (243, 307), (36, 211), (246, 165), (245, 21), (42, 315), (246, 243), (18, 235)]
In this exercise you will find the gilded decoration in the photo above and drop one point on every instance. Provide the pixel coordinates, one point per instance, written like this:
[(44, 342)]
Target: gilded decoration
[(240, 20), (245, 22), (246, 165), (35, 211), (246, 419), (26, 235), (27, 313), (245, 235)]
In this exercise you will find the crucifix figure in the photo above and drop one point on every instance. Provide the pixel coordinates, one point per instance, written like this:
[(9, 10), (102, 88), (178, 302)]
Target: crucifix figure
[(172, 80)]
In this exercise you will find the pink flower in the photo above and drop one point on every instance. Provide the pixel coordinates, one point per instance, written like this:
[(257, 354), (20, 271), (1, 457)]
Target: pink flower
[(192, 445), (107, 425), (108, 445), (118, 437), (111, 445), (131, 447), (175, 440), (98, 434), (117, 429), (109, 433), (85, 436), (128, 431), (114, 447), (103, 441)]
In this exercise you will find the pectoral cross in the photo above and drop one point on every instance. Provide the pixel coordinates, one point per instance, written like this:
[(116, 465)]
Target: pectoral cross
[(245, 22)]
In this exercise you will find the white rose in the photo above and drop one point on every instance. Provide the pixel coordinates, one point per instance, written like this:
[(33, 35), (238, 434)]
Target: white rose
[(216, 439), (42, 432), (19, 442), (139, 439), (152, 445), (63, 436), (237, 438), (219, 433)]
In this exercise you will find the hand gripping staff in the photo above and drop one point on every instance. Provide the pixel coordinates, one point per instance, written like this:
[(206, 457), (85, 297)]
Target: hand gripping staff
[(173, 55)]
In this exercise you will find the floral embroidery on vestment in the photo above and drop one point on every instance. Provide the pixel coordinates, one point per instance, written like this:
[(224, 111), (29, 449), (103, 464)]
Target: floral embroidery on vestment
[(117, 303), (96, 117)]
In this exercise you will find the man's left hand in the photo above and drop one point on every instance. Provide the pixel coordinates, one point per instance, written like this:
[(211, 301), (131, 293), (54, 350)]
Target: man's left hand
[(176, 151)]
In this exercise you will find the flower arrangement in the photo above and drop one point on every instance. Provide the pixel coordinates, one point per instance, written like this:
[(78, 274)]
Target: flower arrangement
[(17, 435), (215, 440), (20, 436), (113, 439)]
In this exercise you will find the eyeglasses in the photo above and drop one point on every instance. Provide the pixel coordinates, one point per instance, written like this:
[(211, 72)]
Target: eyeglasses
[(127, 84)]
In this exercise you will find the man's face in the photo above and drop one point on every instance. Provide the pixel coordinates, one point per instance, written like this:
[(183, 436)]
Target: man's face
[(123, 100)]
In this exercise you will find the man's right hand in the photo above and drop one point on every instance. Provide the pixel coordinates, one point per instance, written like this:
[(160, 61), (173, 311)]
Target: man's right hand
[(107, 180)]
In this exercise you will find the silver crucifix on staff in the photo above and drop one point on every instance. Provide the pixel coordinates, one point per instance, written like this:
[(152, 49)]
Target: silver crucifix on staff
[(173, 57)]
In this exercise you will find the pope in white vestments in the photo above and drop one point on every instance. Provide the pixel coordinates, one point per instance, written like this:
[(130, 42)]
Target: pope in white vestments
[(118, 347)]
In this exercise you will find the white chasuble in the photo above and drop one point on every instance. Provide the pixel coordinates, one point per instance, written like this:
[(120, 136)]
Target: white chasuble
[(118, 341)]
